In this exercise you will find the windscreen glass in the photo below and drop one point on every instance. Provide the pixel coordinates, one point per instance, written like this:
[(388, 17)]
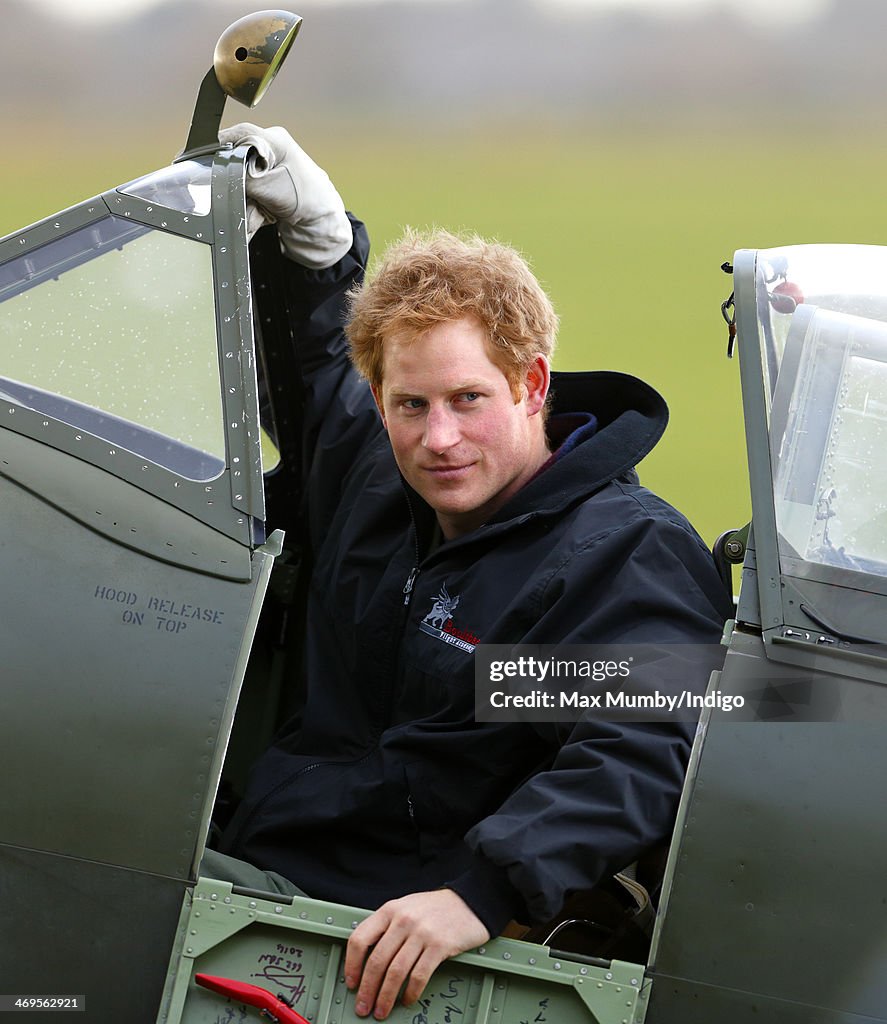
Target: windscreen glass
[(827, 355), (112, 329), (185, 187), (844, 278)]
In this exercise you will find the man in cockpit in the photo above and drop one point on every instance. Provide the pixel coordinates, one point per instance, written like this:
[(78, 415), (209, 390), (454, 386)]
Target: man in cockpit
[(457, 493)]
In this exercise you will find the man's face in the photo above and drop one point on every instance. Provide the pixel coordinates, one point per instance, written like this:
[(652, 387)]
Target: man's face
[(458, 435)]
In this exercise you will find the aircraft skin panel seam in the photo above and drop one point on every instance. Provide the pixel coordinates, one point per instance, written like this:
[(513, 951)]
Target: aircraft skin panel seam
[(235, 567)]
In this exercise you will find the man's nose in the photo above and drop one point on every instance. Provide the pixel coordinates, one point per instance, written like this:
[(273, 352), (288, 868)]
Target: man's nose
[(441, 430)]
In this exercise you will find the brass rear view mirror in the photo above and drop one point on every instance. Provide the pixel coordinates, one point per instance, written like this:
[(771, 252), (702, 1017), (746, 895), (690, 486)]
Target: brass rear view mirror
[(248, 55)]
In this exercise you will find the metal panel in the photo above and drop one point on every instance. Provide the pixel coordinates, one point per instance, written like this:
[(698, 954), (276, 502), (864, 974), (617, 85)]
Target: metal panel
[(683, 1003), (296, 949), (777, 894), (121, 673), (74, 928), (119, 511)]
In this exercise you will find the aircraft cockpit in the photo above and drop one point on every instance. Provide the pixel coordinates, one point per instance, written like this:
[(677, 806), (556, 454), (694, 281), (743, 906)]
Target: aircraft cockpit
[(147, 458)]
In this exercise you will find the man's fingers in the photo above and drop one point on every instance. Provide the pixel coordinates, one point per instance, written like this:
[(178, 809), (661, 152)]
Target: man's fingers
[(374, 970), (420, 975), (392, 975), (362, 939), (402, 944), (380, 937)]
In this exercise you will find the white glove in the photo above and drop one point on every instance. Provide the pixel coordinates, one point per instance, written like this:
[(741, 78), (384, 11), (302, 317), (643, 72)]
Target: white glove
[(285, 186)]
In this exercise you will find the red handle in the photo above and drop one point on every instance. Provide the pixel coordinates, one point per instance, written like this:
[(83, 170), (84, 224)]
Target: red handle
[(252, 995)]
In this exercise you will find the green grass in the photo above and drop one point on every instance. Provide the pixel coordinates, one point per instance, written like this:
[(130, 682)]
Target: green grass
[(626, 229)]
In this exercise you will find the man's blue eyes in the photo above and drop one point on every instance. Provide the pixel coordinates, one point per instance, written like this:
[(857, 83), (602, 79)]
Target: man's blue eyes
[(419, 403)]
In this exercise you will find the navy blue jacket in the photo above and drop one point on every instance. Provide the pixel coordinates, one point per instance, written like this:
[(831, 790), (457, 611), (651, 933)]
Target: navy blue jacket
[(388, 785)]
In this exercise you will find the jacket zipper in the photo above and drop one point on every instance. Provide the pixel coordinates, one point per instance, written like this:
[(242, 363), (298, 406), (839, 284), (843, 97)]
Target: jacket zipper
[(414, 572), (408, 586)]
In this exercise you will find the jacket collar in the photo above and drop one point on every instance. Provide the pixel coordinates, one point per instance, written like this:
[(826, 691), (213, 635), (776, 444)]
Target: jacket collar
[(631, 417)]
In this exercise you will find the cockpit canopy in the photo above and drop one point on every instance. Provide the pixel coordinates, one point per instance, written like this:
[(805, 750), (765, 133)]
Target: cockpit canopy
[(815, 395)]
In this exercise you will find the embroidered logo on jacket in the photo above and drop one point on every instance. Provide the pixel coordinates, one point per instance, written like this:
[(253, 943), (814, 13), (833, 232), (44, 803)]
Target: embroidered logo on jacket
[(439, 623)]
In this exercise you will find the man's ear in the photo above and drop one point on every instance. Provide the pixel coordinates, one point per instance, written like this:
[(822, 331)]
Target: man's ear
[(537, 381), (377, 398)]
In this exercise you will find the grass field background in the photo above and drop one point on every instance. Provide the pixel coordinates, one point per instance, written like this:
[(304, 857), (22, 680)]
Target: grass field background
[(627, 229)]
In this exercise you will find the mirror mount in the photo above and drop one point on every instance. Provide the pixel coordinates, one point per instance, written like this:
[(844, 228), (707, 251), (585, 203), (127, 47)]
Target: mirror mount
[(247, 57)]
